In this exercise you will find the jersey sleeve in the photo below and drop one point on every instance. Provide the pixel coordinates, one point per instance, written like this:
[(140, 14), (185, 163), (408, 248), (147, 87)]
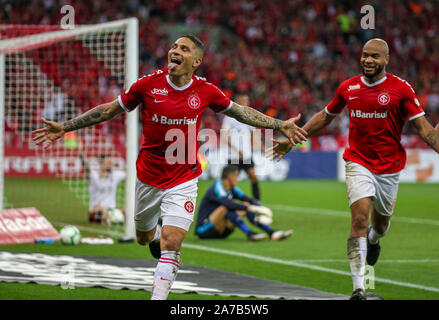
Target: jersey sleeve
[(219, 101), (119, 175), (239, 194), (410, 103), (131, 98), (337, 103)]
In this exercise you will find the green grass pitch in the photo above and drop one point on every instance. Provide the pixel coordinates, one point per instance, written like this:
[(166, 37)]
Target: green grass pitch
[(315, 256)]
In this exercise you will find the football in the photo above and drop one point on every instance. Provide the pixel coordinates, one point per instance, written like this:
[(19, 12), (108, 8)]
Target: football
[(70, 235), (264, 214), (116, 216), (266, 220)]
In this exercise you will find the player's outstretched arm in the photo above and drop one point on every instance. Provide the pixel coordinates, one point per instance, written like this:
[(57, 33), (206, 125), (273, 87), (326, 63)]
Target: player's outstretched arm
[(282, 146), (426, 131), (84, 161), (257, 119), (55, 130)]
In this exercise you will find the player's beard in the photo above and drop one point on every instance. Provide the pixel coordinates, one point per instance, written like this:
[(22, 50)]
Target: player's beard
[(378, 70)]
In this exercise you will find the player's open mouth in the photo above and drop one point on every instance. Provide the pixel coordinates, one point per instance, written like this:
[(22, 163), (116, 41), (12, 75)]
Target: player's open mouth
[(174, 62), (369, 68)]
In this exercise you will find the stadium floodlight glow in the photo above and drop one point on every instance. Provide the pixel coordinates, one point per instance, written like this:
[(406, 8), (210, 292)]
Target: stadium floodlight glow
[(58, 74)]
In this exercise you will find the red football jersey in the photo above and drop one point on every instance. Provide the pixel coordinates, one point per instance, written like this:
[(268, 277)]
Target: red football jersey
[(377, 112), (171, 119)]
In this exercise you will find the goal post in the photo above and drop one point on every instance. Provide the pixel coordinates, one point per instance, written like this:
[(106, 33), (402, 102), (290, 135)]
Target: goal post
[(132, 70), (2, 127), (46, 71)]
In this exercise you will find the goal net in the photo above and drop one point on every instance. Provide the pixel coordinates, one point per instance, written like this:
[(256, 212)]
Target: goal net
[(57, 74)]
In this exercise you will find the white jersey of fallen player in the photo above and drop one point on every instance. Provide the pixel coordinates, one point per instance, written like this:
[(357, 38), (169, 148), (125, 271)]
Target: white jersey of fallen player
[(239, 137), (102, 190)]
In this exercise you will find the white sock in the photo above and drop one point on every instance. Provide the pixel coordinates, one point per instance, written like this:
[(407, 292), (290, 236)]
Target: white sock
[(157, 234), (374, 236), (357, 250), (165, 274)]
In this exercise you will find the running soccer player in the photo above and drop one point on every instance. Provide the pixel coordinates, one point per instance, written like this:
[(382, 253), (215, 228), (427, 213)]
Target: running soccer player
[(238, 138), (219, 214), (172, 101), (379, 104)]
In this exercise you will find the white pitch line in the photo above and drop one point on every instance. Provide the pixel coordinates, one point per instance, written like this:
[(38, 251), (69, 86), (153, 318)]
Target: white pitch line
[(303, 265), (338, 213), (381, 260)]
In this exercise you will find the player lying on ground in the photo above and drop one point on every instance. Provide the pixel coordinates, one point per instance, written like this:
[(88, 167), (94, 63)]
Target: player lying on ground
[(170, 98), (102, 187), (379, 104), (218, 214), (239, 138)]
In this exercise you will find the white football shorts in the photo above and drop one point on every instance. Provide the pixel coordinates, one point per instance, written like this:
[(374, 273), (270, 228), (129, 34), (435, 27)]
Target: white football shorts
[(175, 205), (362, 183)]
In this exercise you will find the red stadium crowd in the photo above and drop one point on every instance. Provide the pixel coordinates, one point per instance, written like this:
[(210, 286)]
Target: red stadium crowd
[(289, 56)]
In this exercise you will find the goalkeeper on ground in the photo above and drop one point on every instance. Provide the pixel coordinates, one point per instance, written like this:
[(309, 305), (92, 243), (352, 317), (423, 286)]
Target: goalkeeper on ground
[(218, 214)]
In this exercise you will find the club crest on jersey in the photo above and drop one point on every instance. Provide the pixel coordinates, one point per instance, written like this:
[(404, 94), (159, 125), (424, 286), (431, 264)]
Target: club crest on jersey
[(189, 206), (194, 101), (383, 98)]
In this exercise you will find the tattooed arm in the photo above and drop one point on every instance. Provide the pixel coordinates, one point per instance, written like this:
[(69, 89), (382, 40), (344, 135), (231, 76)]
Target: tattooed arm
[(55, 130), (257, 119), (427, 132)]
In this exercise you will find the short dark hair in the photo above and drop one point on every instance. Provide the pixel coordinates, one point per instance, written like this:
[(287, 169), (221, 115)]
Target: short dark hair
[(198, 43), (228, 170), (103, 156)]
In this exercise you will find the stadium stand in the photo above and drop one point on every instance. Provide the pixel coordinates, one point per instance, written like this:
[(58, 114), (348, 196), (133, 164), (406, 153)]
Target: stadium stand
[(289, 56)]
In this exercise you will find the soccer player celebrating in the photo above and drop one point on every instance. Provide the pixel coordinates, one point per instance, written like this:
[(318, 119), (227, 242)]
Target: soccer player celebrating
[(219, 214), (379, 104), (170, 98)]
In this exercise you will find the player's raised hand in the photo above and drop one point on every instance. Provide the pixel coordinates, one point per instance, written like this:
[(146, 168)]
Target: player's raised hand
[(279, 150), (50, 133), (293, 132)]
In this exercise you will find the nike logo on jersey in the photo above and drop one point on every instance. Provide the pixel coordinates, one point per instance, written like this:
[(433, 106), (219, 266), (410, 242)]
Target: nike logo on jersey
[(158, 101), (352, 98)]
